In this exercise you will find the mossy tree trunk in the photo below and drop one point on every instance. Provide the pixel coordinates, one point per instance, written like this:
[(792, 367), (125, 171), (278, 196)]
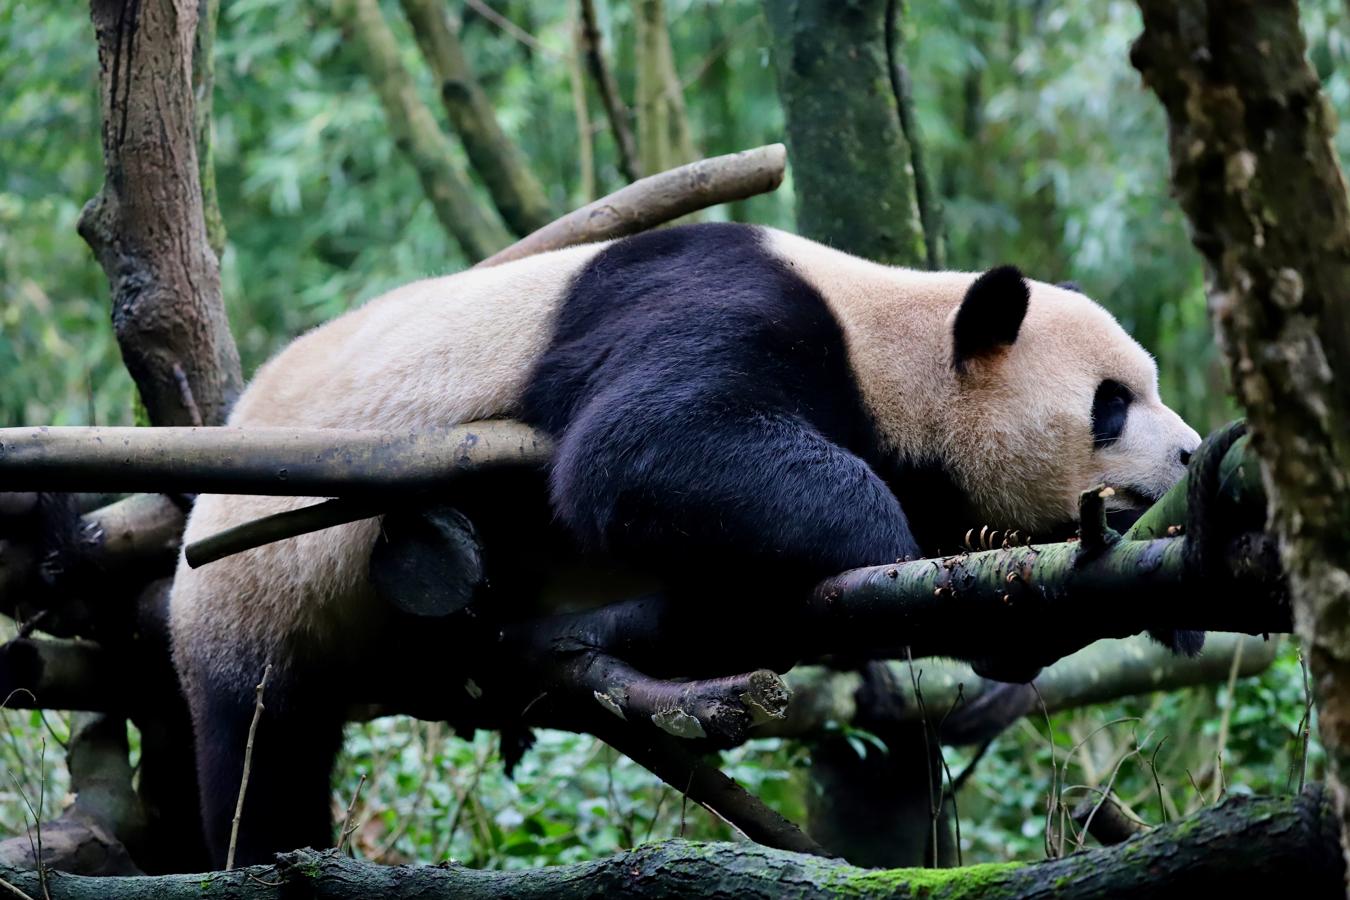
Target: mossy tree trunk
[(850, 158), (1251, 846), (855, 190), (1255, 169)]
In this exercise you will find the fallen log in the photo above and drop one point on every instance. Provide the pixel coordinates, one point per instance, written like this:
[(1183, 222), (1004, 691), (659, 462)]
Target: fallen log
[(1245, 845)]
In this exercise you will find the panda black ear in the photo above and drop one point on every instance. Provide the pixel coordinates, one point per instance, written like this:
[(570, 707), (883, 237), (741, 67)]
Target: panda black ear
[(990, 315)]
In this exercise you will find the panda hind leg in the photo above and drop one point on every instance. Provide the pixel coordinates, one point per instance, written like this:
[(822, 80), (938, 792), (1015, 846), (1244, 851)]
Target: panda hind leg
[(287, 799)]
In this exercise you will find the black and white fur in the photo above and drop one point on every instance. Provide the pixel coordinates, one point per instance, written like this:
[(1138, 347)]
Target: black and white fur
[(717, 393)]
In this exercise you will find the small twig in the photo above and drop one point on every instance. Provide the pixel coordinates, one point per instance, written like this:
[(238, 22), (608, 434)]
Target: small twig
[(511, 28), (1106, 792), (947, 771), (344, 832), (934, 810), (1198, 791), (248, 762), (1306, 727), (684, 802), (656, 814), (430, 742), (1153, 767), (37, 818), (1226, 715), (14, 889), (278, 527), (581, 112), (480, 763)]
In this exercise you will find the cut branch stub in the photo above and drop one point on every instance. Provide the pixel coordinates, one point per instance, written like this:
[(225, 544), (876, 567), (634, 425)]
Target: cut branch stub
[(724, 710), (427, 562), (1094, 535)]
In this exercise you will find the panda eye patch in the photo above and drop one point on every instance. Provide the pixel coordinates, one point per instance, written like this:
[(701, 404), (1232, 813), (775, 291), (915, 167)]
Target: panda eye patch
[(1110, 407)]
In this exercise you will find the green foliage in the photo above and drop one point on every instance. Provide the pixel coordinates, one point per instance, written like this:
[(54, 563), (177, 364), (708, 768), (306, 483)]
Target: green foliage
[(1046, 152)]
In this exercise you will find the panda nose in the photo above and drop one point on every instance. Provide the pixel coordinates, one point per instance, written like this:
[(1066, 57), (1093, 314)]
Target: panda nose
[(1185, 457)]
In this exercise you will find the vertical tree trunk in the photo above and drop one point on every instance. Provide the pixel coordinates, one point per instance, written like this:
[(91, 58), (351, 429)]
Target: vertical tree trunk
[(850, 159), (157, 231), (1255, 170), (855, 191), (146, 225)]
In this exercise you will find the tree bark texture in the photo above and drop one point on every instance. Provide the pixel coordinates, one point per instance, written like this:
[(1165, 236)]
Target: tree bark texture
[(658, 199), (146, 225), (476, 228), (516, 193), (203, 87), (1254, 168), (1244, 846), (850, 158), (299, 462)]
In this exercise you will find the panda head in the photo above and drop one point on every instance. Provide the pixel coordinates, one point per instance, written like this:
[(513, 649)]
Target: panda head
[(1050, 398)]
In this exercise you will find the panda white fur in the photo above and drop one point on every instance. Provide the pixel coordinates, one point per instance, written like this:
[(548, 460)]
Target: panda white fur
[(716, 392)]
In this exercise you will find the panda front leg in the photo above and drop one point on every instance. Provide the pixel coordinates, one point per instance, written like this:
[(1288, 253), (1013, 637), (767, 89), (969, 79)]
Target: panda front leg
[(287, 800), (742, 503), (757, 504)]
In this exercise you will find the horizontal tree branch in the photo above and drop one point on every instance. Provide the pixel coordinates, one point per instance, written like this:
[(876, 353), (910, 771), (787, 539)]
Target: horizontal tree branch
[(1060, 595), (1105, 671), (276, 461), (657, 199), (1245, 845)]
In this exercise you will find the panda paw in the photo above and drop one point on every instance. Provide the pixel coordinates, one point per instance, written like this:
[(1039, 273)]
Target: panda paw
[(1179, 641)]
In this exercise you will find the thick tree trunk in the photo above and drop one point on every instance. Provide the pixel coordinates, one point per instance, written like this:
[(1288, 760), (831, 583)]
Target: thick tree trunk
[(146, 225), (1255, 170), (1246, 846), (850, 159), (158, 234)]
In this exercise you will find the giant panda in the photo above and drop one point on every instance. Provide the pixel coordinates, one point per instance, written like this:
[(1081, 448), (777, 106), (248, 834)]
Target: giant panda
[(717, 393)]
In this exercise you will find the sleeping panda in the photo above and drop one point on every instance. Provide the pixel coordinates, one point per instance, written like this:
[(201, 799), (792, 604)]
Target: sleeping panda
[(716, 393)]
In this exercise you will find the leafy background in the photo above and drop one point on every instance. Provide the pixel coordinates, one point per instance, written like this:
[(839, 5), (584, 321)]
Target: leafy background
[(1047, 151)]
